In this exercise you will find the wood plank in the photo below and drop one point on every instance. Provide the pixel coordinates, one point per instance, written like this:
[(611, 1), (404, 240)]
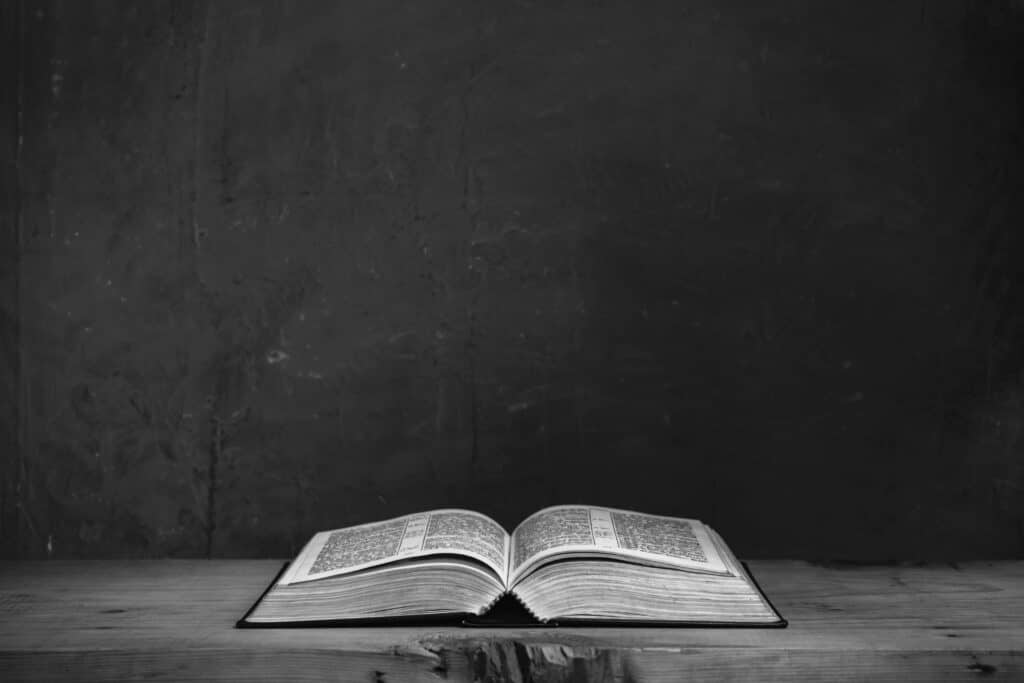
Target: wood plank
[(174, 618)]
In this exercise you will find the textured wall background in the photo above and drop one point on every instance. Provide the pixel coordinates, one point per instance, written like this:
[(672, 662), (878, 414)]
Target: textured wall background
[(276, 267)]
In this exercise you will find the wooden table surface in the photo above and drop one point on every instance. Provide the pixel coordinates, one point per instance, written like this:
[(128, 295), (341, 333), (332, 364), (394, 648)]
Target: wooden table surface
[(173, 620)]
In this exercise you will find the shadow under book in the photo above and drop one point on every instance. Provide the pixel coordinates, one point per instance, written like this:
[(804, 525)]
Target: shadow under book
[(563, 565)]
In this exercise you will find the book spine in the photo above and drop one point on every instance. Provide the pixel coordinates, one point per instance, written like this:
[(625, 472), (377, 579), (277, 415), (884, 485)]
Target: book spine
[(486, 608), (527, 607)]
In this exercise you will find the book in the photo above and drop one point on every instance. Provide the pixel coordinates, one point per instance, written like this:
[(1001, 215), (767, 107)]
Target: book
[(567, 564)]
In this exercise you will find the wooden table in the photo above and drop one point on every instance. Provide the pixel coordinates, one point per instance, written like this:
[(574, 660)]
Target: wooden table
[(173, 620)]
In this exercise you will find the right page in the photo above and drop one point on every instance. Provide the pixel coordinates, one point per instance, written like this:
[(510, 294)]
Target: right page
[(574, 531)]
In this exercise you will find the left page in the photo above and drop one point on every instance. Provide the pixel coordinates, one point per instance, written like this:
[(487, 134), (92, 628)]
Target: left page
[(438, 532)]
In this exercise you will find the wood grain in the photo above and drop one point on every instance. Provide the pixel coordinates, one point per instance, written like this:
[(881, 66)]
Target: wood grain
[(124, 620)]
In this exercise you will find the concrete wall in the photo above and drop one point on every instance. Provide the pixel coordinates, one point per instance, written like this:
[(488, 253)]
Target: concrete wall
[(282, 266)]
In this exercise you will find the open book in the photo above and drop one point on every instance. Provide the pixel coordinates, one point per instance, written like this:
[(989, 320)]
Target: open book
[(565, 564)]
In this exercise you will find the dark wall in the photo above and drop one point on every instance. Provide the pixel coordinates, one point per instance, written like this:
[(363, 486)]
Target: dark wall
[(283, 266)]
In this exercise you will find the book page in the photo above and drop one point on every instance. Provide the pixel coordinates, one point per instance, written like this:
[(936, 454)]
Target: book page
[(438, 532), (582, 530)]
